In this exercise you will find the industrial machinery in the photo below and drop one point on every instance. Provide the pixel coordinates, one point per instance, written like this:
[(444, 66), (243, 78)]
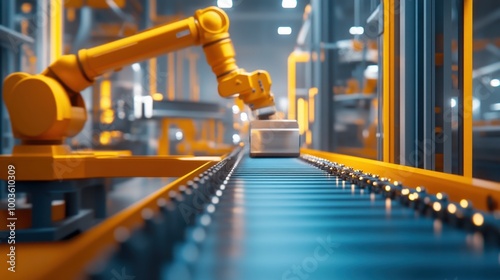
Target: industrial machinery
[(274, 138), (46, 108), (317, 215), (289, 218)]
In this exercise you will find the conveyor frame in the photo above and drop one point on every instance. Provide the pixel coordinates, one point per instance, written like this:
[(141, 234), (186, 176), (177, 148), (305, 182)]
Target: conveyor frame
[(47, 262)]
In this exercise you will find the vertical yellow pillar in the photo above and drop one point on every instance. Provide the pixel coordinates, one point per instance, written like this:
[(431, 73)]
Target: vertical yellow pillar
[(171, 76), (291, 86), (194, 90), (312, 93), (468, 38), (220, 132), (179, 74), (388, 82), (56, 29), (153, 88), (211, 130), (164, 141)]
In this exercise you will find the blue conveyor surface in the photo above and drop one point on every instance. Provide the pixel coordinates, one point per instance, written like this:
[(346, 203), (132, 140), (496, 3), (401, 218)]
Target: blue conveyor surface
[(281, 218)]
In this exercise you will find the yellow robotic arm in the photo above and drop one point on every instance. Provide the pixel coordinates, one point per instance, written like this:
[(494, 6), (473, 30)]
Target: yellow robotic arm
[(47, 107)]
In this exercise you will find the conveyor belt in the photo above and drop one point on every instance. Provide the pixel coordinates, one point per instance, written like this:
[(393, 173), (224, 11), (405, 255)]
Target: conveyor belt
[(276, 213), (281, 218)]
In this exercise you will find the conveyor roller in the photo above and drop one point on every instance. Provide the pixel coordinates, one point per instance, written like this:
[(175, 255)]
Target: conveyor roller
[(282, 218)]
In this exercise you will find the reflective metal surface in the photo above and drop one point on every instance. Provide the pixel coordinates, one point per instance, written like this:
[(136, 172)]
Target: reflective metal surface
[(274, 138)]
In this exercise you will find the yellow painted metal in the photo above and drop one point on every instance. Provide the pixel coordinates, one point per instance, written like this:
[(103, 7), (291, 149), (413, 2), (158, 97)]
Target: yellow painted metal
[(24, 211), (114, 29), (82, 165), (455, 186), (74, 3), (26, 8), (158, 96), (294, 58), (194, 90), (388, 117), (114, 55), (56, 29), (105, 138), (153, 89), (152, 10), (41, 110), (163, 139), (253, 88), (107, 112), (308, 138), (47, 108), (29, 58), (301, 115), (211, 130), (46, 260), (70, 14), (306, 115), (171, 76), (220, 132), (207, 144), (292, 87), (179, 75), (312, 93), (104, 3), (467, 87), (204, 132), (238, 102), (95, 4), (105, 100), (188, 129)]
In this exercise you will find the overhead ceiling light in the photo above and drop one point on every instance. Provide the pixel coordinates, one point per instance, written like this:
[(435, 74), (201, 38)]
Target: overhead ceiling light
[(244, 117), (289, 4), (179, 135), (225, 4), (356, 30), (475, 104), (136, 67), (453, 103), (495, 107), (235, 109), (495, 82), (236, 139), (284, 30)]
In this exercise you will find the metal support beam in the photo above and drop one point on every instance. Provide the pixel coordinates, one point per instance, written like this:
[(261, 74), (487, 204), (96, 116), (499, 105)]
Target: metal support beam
[(10, 38), (445, 138), (7, 66), (428, 89), (377, 20), (327, 76), (322, 137), (42, 48), (466, 100), (407, 103), (390, 123), (420, 140), (56, 11), (7, 56)]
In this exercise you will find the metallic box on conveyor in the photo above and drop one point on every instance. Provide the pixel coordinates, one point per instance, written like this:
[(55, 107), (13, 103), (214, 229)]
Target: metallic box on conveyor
[(274, 138)]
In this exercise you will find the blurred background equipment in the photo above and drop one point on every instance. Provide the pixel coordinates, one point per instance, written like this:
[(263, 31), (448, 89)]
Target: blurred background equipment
[(398, 135)]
